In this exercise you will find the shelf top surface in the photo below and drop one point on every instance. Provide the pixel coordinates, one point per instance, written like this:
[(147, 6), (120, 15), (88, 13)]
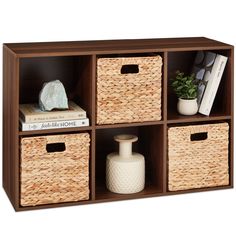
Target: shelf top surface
[(114, 46)]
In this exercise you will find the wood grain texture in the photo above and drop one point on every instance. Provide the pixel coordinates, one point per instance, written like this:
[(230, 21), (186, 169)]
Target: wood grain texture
[(165, 115), (10, 126), (27, 65), (93, 133), (113, 46)]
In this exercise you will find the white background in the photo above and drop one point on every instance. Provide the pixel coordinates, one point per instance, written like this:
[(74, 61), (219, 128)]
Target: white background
[(209, 213)]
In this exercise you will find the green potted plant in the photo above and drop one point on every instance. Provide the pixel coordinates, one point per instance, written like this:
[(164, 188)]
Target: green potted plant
[(186, 88)]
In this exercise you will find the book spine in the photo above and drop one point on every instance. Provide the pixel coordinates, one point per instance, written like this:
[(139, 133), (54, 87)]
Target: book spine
[(54, 124), (212, 85), (54, 117)]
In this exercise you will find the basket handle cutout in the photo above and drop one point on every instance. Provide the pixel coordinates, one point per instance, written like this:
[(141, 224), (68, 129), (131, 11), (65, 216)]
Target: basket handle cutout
[(129, 69), (199, 136), (55, 147)]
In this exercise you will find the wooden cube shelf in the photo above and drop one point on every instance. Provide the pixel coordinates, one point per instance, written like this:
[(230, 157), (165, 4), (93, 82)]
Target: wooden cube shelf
[(26, 66)]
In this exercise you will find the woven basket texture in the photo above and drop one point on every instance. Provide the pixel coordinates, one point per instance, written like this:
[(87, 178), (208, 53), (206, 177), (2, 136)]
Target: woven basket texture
[(130, 97), (53, 177), (199, 163)]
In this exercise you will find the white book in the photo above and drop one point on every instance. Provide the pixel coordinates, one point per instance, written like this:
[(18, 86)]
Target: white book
[(54, 124), (212, 85)]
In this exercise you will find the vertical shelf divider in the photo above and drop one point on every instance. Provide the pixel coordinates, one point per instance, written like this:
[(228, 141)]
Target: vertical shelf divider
[(93, 132), (165, 100), (165, 86)]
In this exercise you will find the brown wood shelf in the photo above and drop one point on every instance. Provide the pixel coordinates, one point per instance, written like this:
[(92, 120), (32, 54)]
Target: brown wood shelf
[(176, 118), (103, 194), (130, 124), (75, 63)]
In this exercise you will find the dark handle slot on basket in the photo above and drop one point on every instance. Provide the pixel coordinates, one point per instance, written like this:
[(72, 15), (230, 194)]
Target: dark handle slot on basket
[(55, 147), (199, 136), (129, 69)]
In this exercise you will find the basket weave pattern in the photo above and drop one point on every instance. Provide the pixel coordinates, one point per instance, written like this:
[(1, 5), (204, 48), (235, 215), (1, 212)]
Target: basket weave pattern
[(201, 163), (53, 177), (131, 97)]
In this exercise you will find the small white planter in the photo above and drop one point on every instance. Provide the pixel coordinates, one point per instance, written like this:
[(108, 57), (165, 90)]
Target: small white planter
[(187, 107)]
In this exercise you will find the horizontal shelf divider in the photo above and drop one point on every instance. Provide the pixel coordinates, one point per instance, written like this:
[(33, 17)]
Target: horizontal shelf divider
[(146, 123), (129, 197), (149, 123), (197, 118), (104, 194)]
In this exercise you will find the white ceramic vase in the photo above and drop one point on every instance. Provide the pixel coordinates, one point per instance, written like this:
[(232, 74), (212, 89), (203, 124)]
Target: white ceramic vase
[(125, 171), (187, 106)]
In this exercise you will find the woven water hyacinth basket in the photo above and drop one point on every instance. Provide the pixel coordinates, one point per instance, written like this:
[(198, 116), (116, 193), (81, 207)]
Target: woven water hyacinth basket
[(128, 89), (198, 156), (54, 169)]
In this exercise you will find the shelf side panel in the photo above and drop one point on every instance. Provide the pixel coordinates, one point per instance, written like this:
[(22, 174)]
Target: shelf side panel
[(10, 126), (231, 154)]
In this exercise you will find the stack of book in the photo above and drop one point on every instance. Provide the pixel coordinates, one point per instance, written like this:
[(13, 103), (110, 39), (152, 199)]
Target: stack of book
[(32, 118), (208, 67)]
